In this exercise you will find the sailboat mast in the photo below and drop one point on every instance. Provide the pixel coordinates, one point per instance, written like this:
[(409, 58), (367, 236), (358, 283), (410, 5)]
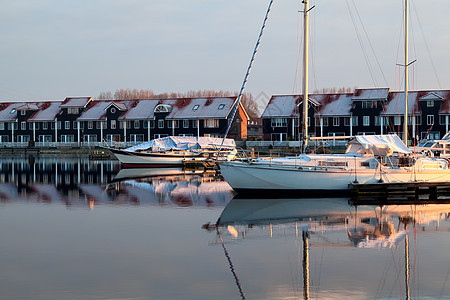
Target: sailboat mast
[(405, 124), (305, 72)]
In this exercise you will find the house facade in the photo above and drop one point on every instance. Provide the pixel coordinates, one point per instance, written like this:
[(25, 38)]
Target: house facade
[(363, 112), (84, 121)]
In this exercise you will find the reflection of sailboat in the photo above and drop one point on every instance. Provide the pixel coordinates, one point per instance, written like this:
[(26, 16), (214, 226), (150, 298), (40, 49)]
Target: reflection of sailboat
[(134, 173), (325, 223)]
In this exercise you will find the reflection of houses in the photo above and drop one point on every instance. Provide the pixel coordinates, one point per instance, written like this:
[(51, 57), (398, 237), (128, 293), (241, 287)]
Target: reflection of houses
[(83, 121), (77, 182)]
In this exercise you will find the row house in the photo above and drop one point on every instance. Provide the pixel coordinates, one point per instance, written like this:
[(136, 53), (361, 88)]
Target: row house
[(83, 120), (365, 111)]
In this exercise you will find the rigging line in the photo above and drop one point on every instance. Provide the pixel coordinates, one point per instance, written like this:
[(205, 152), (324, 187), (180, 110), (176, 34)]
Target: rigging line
[(400, 39), (236, 279), (299, 39), (427, 46), (313, 47), (370, 43), (361, 44), (236, 105)]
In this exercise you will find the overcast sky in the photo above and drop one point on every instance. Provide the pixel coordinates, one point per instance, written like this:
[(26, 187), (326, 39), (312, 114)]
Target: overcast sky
[(52, 49)]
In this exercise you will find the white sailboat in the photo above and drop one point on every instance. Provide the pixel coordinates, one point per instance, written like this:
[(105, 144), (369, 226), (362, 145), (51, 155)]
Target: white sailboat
[(173, 151), (368, 159)]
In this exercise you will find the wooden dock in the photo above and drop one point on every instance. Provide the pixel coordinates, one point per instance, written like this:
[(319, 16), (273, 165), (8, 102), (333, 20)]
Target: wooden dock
[(427, 192)]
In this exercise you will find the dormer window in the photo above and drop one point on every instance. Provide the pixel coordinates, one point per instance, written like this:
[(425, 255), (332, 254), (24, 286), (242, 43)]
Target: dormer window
[(72, 110), (113, 110), (430, 103), (22, 112), (12, 111), (163, 108), (195, 107), (221, 106)]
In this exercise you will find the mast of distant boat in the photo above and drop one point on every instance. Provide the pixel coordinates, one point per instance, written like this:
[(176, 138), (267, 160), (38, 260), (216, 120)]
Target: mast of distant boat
[(305, 72), (405, 124)]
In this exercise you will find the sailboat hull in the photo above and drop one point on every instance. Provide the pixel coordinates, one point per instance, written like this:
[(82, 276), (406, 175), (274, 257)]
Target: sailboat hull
[(267, 179)]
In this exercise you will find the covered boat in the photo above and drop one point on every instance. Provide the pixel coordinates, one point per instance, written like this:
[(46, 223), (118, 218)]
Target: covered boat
[(173, 150)]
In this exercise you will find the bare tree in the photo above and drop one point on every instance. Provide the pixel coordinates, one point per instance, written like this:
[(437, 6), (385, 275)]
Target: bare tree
[(248, 102)]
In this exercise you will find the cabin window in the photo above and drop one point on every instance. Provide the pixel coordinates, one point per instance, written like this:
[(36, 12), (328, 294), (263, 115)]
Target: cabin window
[(72, 110), (2, 126), (279, 137), (22, 112), (66, 124), (23, 125), (366, 121), (90, 124), (12, 125), (75, 125), (90, 138), (442, 120), (136, 124), (101, 124), (430, 103), (279, 122), (152, 123), (160, 123), (430, 120), (185, 123), (113, 110), (336, 121), (397, 120), (67, 138), (324, 122), (137, 138), (211, 123), (322, 163), (369, 104), (194, 123), (30, 126)]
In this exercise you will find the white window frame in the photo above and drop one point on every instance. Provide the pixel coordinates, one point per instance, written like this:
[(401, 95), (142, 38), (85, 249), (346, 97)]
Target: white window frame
[(430, 119), (279, 122), (336, 121), (366, 121)]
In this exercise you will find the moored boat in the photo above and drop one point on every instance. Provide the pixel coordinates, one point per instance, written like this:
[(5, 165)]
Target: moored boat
[(173, 151)]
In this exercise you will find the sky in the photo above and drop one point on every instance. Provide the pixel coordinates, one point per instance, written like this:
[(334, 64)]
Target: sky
[(53, 49)]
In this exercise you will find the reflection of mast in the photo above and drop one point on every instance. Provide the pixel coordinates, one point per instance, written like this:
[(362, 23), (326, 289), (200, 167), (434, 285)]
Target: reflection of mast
[(238, 283), (305, 238), (406, 264)]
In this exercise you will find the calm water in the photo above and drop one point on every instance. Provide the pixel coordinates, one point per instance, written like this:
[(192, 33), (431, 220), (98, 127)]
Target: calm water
[(71, 228)]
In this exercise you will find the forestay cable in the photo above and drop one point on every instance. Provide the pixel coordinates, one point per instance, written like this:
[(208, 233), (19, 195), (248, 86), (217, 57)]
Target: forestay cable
[(236, 105)]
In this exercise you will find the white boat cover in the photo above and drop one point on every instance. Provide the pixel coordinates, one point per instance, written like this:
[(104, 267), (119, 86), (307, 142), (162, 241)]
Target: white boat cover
[(184, 143), (379, 144)]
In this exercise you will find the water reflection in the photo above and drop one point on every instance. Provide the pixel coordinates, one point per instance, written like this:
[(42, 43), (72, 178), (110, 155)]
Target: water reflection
[(79, 182), (313, 226)]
